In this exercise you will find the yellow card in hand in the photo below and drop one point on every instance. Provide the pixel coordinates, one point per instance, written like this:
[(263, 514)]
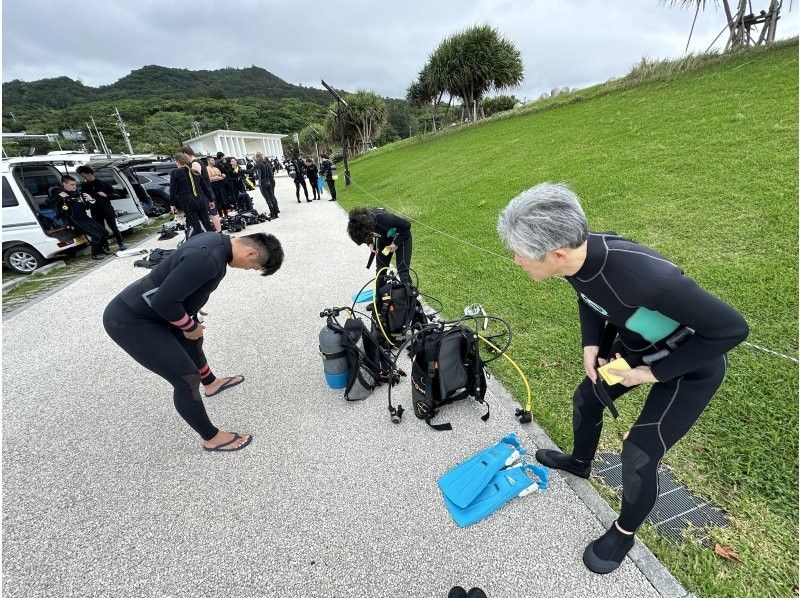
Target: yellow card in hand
[(617, 364), (386, 250)]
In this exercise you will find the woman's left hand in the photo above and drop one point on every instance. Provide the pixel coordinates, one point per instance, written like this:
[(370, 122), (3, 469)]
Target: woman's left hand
[(633, 377)]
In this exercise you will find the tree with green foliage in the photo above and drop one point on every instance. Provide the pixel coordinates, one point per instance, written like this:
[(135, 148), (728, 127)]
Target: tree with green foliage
[(470, 63), (366, 111), (498, 104)]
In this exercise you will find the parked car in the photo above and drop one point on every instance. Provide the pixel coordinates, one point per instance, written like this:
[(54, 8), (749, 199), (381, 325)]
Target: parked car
[(162, 168), (157, 187), (34, 233)]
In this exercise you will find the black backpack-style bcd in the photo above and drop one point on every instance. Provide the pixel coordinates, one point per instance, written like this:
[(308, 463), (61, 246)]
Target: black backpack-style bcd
[(399, 308), (446, 367)]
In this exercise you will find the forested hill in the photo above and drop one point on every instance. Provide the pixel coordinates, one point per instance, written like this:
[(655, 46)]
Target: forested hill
[(160, 82)]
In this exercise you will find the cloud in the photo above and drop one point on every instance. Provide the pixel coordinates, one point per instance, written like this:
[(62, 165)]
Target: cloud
[(354, 44)]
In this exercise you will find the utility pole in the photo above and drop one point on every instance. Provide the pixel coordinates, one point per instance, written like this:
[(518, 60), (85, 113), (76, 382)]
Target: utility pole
[(339, 104), (121, 124), (316, 146), (94, 143), (103, 145)]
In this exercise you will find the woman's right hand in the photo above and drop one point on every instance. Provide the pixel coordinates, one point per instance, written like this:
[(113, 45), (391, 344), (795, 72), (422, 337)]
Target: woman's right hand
[(590, 361)]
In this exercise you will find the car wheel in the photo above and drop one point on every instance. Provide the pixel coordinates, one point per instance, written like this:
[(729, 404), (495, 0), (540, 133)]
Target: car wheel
[(23, 259)]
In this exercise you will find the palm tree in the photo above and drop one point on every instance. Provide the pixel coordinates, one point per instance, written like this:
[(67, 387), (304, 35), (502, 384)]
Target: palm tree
[(740, 23), (472, 62)]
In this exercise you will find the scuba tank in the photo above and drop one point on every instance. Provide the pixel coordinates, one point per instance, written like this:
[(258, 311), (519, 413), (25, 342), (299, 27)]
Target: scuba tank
[(334, 357)]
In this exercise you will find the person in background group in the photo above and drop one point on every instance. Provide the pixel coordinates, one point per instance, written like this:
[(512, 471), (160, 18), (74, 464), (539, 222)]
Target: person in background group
[(102, 210), (186, 192), (216, 178), (227, 185), (266, 184), (299, 178), (326, 170), (312, 174), (236, 175)]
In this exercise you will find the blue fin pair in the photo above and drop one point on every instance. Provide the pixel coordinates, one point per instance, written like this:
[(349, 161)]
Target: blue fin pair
[(478, 487)]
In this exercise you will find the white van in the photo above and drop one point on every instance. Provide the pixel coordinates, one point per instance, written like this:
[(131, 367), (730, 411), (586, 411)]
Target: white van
[(32, 233)]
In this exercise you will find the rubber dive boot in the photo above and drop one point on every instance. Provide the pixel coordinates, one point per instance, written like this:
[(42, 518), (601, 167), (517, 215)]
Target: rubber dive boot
[(605, 554), (558, 460)]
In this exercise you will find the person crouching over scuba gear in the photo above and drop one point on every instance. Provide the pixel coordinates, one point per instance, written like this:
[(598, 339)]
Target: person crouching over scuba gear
[(635, 304), (71, 204), (102, 210), (155, 321), (385, 234)]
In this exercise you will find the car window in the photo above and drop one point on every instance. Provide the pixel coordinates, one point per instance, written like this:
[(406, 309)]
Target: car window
[(109, 177), (143, 178), (37, 180), (9, 199)]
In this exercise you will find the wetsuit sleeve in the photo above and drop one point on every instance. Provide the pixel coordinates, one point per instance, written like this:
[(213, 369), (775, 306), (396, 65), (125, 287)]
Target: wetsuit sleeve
[(192, 272), (718, 327), (592, 325), (173, 187)]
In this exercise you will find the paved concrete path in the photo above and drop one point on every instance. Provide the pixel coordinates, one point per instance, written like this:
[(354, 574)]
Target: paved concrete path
[(108, 493)]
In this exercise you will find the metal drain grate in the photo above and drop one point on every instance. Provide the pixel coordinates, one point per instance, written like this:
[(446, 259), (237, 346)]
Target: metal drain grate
[(676, 508)]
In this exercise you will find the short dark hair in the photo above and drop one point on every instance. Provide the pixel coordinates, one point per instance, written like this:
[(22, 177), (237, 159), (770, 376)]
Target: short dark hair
[(220, 155), (66, 178), (361, 225), (187, 150), (269, 250), (84, 169)]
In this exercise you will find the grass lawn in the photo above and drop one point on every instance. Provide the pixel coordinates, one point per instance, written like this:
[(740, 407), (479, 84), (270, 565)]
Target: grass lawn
[(701, 167)]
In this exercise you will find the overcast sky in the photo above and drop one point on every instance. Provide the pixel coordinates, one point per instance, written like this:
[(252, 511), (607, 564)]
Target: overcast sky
[(352, 44)]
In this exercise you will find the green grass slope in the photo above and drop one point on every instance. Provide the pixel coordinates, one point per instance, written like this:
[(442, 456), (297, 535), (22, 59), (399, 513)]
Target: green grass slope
[(702, 167)]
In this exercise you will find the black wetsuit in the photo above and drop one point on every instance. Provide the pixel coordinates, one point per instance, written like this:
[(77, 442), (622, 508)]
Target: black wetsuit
[(73, 209), (648, 300), (393, 229), (102, 210), (326, 169), (187, 190), (148, 319), (299, 179), (313, 175), (266, 184)]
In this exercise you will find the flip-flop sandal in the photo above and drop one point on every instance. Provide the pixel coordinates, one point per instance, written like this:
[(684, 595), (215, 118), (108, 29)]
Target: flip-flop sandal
[(221, 447), (229, 383)]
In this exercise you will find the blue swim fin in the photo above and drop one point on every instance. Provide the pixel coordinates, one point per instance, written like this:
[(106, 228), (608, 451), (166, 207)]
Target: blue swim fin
[(466, 480), (503, 487)]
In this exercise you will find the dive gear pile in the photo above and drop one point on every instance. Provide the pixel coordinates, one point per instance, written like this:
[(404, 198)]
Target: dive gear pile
[(447, 363)]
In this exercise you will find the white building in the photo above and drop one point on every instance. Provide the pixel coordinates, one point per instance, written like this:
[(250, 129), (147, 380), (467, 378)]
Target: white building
[(237, 144)]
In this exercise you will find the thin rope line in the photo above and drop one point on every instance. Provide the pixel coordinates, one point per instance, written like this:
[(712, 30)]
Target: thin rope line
[(509, 259)]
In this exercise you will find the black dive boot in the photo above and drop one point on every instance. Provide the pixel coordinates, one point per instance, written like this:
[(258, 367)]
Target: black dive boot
[(558, 460), (457, 592), (605, 554)]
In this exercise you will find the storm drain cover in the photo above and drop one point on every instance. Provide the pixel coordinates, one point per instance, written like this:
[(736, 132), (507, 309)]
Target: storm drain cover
[(676, 508)]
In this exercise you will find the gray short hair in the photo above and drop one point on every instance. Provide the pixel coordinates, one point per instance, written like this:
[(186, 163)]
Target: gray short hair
[(543, 218)]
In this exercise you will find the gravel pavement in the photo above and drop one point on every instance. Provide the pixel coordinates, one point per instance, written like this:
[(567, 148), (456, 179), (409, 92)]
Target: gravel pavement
[(106, 492)]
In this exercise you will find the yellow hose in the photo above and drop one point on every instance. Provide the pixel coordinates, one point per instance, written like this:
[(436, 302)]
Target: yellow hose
[(529, 404), (375, 306)]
